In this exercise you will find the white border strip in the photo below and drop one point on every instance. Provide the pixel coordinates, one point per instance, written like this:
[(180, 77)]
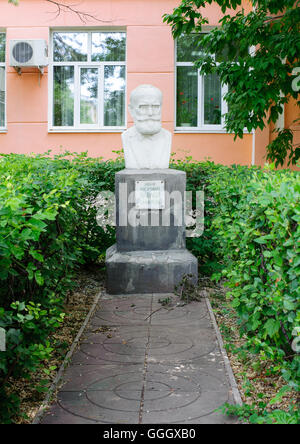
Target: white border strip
[(66, 361)]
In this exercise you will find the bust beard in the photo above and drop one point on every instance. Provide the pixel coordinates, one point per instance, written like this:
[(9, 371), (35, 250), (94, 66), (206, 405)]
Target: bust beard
[(148, 126), (146, 144)]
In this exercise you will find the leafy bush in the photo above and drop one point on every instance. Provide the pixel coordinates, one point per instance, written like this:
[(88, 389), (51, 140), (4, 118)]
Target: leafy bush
[(47, 220), (99, 176), (259, 415), (47, 228), (27, 327), (257, 222), (198, 177)]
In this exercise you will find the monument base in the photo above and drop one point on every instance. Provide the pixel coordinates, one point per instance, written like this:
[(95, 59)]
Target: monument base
[(148, 271)]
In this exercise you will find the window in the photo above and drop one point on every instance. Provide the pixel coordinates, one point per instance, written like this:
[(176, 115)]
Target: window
[(2, 81), (199, 99), (88, 78)]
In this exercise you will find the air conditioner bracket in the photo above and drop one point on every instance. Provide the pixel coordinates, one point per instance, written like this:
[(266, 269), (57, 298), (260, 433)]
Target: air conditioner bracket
[(18, 69)]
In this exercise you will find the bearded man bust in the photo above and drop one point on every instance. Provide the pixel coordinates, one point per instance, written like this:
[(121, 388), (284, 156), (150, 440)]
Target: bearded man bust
[(146, 144)]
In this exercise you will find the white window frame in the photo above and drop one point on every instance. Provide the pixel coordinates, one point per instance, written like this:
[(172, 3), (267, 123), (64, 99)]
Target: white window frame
[(3, 64), (77, 127), (201, 127)]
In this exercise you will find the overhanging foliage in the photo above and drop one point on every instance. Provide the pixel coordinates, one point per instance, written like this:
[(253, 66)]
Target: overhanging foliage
[(257, 56)]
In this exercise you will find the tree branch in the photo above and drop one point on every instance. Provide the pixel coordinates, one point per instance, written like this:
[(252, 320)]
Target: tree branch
[(271, 19), (83, 16)]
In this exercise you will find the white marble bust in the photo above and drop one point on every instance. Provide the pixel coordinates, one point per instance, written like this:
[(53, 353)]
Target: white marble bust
[(146, 144)]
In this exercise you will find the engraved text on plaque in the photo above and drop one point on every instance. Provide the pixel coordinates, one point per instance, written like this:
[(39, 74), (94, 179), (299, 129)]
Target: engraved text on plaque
[(149, 194)]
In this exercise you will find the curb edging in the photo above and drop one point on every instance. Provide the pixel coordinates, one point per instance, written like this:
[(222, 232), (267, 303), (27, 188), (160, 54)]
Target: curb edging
[(234, 387)]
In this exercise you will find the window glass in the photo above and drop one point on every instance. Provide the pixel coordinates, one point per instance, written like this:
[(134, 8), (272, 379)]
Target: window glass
[(70, 46), (89, 95), (187, 96), (108, 46), (2, 47), (199, 101), (89, 79), (212, 99), (2, 96), (63, 110), (189, 47), (114, 95)]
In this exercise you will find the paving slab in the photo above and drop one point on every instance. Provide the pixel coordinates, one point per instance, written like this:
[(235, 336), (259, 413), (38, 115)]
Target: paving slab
[(143, 362)]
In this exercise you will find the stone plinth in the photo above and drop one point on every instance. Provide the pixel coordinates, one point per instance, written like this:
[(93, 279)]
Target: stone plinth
[(150, 254), (148, 271), (166, 230)]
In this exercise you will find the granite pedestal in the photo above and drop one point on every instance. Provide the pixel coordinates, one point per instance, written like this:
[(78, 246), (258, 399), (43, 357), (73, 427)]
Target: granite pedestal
[(150, 254)]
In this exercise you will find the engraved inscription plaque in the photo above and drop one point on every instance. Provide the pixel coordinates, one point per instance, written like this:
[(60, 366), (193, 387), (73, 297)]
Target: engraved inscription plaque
[(149, 194)]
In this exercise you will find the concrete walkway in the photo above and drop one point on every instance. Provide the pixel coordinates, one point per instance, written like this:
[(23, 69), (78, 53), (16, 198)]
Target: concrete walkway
[(141, 362)]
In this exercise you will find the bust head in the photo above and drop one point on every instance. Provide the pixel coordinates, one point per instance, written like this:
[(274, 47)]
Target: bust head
[(145, 108)]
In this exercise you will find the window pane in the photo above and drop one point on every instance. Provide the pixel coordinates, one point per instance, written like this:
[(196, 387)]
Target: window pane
[(212, 99), (2, 47), (2, 96), (63, 110), (187, 93), (189, 47), (114, 95), (89, 95), (108, 46), (70, 46)]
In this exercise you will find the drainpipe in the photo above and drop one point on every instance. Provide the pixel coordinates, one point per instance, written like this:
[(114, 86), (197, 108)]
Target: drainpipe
[(252, 51), (253, 148)]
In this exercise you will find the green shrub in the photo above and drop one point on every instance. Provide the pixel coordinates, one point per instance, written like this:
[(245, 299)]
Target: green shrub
[(47, 229), (100, 176), (198, 177), (47, 221), (257, 222), (28, 327), (258, 414)]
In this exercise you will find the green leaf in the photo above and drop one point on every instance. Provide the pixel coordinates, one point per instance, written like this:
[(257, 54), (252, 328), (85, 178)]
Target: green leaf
[(261, 240), (278, 397), (268, 253), (37, 223), (272, 327), (235, 303), (289, 305), (39, 278), (36, 255)]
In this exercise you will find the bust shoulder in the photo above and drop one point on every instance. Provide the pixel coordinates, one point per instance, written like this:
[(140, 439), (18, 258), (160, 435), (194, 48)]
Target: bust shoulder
[(165, 132), (130, 132)]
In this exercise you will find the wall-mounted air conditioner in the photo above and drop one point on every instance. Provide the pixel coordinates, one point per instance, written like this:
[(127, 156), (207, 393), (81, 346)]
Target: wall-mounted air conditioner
[(28, 53)]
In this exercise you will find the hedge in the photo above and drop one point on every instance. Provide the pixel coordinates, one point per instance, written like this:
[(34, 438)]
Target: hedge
[(257, 224), (47, 229)]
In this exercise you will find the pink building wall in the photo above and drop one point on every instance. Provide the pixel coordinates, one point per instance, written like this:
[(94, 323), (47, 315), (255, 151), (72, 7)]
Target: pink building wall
[(150, 59)]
